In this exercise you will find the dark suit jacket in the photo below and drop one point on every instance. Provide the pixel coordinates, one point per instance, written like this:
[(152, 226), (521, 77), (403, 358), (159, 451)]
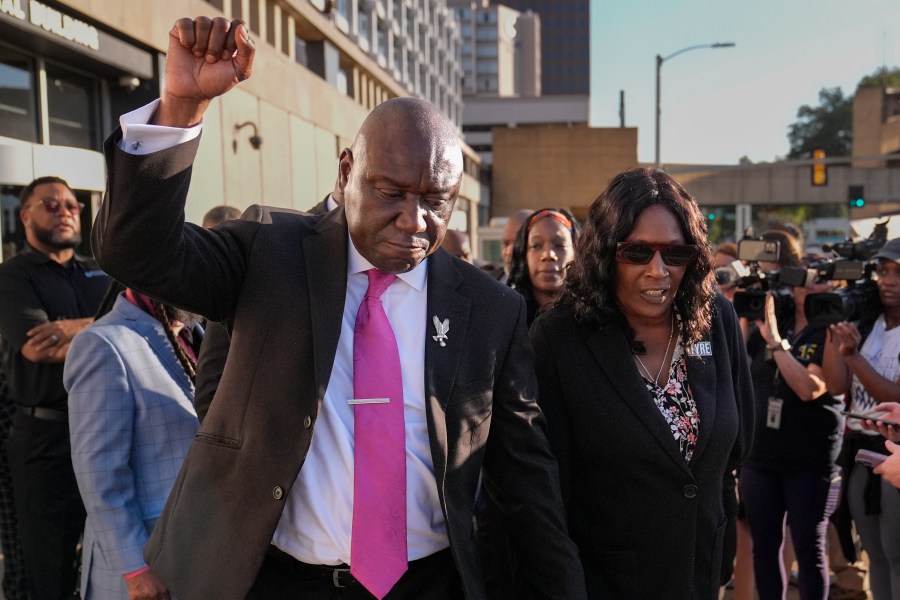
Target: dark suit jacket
[(648, 525), (320, 208), (217, 340), (283, 284)]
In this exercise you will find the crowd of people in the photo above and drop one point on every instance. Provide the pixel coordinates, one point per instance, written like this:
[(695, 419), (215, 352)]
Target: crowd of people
[(339, 404)]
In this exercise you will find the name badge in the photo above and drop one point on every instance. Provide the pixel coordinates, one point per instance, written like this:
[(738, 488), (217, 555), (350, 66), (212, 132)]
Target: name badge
[(773, 417), (95, 273), (701, 349)]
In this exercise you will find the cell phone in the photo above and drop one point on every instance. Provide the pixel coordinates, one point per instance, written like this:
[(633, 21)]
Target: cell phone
[(854, 415), (758, 250), (869, 458)]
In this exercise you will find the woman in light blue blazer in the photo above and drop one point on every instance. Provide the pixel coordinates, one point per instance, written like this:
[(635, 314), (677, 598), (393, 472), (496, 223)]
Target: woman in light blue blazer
[(130, 378)]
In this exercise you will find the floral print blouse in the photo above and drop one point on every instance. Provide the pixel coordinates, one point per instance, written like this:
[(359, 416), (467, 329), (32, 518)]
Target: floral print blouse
[(677, 405)]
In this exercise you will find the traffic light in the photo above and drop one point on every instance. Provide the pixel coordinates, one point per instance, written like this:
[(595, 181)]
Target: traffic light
[(856, 196), (819, 169)]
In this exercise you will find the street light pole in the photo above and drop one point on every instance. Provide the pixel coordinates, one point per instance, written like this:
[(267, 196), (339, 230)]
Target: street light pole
[(659, 63)]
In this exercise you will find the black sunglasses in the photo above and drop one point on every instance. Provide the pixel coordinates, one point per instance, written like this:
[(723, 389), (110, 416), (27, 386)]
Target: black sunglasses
[(640, 253)]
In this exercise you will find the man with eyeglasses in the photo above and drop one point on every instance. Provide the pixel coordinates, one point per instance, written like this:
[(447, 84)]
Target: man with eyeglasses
[(48, 293)]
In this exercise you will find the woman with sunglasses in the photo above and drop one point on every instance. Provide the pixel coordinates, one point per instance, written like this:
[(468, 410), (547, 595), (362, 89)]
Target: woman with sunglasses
[(644, 382), (544, 247), (790, 477)]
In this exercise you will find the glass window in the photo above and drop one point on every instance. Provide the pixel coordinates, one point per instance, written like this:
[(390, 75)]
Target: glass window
[(486, 51), (382, 42), (300, 51), (487, 67), (398, 53), (343, 7), (18, 99), (72, 108), (486, 34), (254, 16), (363, 24), (271, 34)]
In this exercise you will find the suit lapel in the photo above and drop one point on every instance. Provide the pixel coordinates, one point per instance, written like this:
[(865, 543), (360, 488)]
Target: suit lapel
[(701, 376), (442, 362), (606, 345), (325, 256), (445, 303)]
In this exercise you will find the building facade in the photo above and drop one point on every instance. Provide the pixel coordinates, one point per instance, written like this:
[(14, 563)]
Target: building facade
[(69, 69), (565, 43), (500, 49), (876, 126)]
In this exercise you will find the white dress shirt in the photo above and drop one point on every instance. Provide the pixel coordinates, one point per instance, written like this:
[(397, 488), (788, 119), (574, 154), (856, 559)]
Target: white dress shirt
[(315, 526)]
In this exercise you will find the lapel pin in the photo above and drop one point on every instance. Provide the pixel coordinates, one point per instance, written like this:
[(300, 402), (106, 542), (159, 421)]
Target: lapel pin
[(441, 328)]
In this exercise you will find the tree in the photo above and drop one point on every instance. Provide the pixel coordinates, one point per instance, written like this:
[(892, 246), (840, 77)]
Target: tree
[(828, 126), (882, 77)]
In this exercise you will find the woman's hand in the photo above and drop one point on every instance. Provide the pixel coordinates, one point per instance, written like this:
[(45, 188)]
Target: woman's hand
[(768, 328), (147, 586), (847, 338), (890, 468), (891, 412)]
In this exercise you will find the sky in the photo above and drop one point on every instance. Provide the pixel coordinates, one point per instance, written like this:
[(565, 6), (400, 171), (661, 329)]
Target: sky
[(719, 105)]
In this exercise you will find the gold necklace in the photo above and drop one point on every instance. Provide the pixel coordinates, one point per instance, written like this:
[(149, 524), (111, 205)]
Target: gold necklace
[(665, 356)]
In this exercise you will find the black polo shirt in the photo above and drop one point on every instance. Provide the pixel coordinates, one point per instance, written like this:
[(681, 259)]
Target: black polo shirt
[(35, 290), (809, 433)]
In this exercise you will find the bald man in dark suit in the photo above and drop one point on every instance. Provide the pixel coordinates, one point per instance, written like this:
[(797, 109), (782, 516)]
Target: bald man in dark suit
[(263, 504)]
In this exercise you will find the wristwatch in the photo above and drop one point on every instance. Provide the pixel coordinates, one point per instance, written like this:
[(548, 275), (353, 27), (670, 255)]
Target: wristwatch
[(782, 345)]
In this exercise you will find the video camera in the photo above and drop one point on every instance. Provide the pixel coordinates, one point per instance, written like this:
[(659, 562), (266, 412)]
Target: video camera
[(753, 282), (849, 264)]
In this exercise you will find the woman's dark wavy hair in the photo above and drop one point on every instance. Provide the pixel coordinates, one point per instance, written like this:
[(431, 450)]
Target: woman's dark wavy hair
[(519, 278), (591, 282)]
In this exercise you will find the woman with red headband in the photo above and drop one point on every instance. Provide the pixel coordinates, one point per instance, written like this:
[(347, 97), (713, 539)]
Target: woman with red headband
[(544, 247), (644, 382)]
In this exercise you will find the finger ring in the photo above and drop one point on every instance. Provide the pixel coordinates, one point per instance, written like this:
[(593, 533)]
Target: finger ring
[(54, 337)]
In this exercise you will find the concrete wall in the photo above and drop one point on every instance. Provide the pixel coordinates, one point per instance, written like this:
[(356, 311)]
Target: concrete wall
[(558, 166)]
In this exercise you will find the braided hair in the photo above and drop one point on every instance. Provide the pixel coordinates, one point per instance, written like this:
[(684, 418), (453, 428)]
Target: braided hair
[(163, 313)]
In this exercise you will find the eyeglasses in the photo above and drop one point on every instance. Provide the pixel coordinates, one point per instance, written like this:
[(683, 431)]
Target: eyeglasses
[(52, 205), (640, 253)]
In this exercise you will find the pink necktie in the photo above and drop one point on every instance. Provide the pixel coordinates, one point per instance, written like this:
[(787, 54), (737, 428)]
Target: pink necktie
[(378, 545)]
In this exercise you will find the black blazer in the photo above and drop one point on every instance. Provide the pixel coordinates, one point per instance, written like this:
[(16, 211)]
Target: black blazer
[(281, 281), (647, 524)]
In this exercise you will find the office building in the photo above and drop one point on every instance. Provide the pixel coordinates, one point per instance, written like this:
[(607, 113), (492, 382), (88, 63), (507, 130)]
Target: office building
[(68, 69), (565, 43), (500, 49)]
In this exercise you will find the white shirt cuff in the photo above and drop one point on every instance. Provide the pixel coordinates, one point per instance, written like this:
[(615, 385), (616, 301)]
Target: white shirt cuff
[(140, 138)]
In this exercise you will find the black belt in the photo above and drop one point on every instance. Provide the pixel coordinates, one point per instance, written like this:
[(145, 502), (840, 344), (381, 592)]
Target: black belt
[(337, 575), (44, 414)]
